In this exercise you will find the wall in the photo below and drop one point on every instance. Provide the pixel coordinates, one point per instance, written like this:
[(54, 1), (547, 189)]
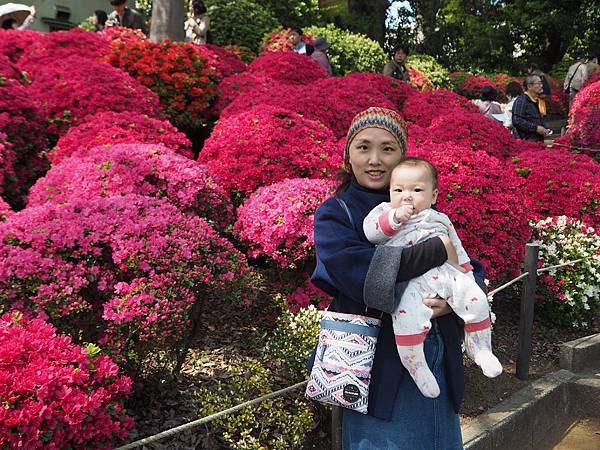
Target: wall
[(80, 9)]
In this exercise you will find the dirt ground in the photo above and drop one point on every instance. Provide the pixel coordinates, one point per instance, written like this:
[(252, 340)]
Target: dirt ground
[(159, 405)]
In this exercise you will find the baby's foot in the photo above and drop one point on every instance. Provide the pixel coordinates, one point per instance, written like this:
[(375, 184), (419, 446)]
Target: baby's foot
[(489, 364), (426, 382), (413, 359)]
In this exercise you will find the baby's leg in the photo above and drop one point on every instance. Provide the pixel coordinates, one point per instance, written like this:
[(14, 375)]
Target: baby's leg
[(411, 324), (470, 303)]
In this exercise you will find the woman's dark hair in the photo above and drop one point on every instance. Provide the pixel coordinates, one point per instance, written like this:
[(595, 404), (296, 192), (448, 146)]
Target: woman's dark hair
[(297, 30), (199, 7), (488, 93), (513, 89), (117, 2), (344, 178), (101, 16), (533, 66), (8, 23), (402, 47)]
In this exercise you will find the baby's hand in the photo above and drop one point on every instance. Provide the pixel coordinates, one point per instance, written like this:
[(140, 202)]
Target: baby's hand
[(403, 213), (457, 267)]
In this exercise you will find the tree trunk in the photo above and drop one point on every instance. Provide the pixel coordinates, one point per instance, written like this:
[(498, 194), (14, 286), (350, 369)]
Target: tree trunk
[(374, 12), (167, 20)]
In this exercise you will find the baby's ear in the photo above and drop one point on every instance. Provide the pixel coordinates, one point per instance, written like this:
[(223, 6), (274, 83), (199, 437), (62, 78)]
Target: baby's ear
[(435, 196)]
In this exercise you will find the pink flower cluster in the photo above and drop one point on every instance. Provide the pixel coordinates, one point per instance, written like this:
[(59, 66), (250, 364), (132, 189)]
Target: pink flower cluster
[(419, 80), (122, 34), (144, 169), (306, 295), (7, 159), (121, 271), (485, 202), (16, 43), (5, 211), (560, 183), (277, 220), (56, 394), (238, 84), (421, 108), (265, 145), (70, 89), (396, 91), (279, 41), (287, 67), (584, 117), (110, 128), (223, 61)]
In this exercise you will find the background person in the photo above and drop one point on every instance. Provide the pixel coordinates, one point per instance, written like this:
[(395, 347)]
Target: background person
[(319, 55), (123, 16), (395, 67), (12, 23), (487, 104), (366, 277), (99, 20), (546, 95), (197, 24), (526, 118), (298, 46), (578, 74)]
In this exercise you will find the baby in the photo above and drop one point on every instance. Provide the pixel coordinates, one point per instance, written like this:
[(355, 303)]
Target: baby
[(407, 220)]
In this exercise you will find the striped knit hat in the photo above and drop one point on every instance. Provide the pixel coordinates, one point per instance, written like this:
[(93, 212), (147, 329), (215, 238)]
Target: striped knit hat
[(376, 117)]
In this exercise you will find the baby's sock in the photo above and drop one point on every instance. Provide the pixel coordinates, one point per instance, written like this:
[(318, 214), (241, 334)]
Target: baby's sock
[(479, 349), (413, 359)]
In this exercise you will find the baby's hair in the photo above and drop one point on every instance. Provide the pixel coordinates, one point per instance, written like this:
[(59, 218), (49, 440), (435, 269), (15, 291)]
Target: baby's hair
[(415, 161)]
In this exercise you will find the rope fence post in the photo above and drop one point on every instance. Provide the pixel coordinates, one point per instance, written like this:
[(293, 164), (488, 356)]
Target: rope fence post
[(336, 428), (527, 309)]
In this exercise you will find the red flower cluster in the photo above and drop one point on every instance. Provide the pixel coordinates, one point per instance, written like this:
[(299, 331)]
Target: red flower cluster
[(7, 159), (583, 118), (109, 128), (560, 183), (120, 271), (122, 34), (231, 87), (267, 144), (178, 73), (123, 169), (16, 43), (279, 41), (396, 91), (485, 202), (224, 62), (56, 394), (277, 220), (471, 87), (287, 67), (421, 108), (70, 89), (306, 295), (5, 211), (419, 80)]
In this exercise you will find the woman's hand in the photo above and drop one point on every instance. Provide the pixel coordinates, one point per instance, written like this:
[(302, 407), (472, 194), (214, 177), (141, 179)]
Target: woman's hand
[(450, 250), (438, 305)]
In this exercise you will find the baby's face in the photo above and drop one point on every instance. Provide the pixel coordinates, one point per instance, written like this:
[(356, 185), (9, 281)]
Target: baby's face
[(412, 185)]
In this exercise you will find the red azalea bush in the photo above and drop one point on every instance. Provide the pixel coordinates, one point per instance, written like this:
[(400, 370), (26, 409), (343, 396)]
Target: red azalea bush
[(268, 144), (287, 67), (5, 211), (121, 271), (7, 160), (421, 108), (475, 131), (583, 133), (395, 90), (8, 69), (277, 220), (235, 85), (472, 86), (17, 43), (419, 80), (279, 41), (71, 89), (593, 78), (223, 61), (57, 394), (177, 72), (486, 203), (61, 45), (586, 99), (146, 169), (560, 183), (122, 34), (306, 295), (109, 128)]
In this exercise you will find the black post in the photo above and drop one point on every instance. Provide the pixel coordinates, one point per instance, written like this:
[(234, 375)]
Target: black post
[(336, 428), (527, 307)]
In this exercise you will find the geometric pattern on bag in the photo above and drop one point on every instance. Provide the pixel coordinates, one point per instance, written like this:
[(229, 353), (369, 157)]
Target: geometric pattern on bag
[(343, 361)]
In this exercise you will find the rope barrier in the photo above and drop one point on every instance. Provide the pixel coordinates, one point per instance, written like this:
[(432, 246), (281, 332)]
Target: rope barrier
[(575, 148), (204, 420), (210, 418)]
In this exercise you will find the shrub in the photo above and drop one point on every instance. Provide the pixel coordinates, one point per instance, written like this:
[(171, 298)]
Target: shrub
[(121, 271), (294, 339), (110, 128), (177, 72), (16, 43), (583, 133), (122, 34), (560, 69), (284, 422), (350, 52), (56, 394), (570, 295), (419, 80), (560, 183), (307, 295), (7, 160), (265, 145), (277, 220), (287, 67), (279, 40), (5, 211), (224, 62), (144, 169), (71, 89), (586, 99), (296, 13), (421, 108), (472, 86), (433, 70), (240, 22), (486, 203), (231, 87), (395, 90)]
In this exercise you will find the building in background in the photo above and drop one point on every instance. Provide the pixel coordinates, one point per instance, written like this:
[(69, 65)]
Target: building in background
[(53, 15)]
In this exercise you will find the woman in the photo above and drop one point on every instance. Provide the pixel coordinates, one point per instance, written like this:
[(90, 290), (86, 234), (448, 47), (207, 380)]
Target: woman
[(197, 23), (369, 280), (99, 20), (488, 106)]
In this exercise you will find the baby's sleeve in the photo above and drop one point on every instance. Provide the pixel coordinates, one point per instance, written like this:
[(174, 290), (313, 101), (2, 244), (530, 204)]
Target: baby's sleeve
[(463, 258), (379, 225)]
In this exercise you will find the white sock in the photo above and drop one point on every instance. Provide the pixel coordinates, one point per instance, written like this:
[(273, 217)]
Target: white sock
[(479, 349), (413, 358)]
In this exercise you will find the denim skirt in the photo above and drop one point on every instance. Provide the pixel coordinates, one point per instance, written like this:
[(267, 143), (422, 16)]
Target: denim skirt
[(418, 422)]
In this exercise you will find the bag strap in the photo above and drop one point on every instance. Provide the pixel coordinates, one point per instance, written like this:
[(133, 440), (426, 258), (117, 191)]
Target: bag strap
[(573, 76), (345, 208)]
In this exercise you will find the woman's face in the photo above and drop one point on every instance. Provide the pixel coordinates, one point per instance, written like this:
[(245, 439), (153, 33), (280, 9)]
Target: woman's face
[(374, 152)]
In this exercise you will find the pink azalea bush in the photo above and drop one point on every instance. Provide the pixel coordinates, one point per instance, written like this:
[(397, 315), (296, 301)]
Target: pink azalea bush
[(306, 295), (560, 183), (421, 108), (17, 43), (7, 160), (268, 144), (223, 61), (57, 394), (277, 220), (287, 67), (5, 211), (396, 91), (419, 80), (71, 89), (144, 169), (122, 34), (127, 127), (120, 271), (486, 203), (229, 88)]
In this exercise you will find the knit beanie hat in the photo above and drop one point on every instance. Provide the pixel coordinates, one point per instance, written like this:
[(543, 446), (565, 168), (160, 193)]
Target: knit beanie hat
[(376, 117)]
